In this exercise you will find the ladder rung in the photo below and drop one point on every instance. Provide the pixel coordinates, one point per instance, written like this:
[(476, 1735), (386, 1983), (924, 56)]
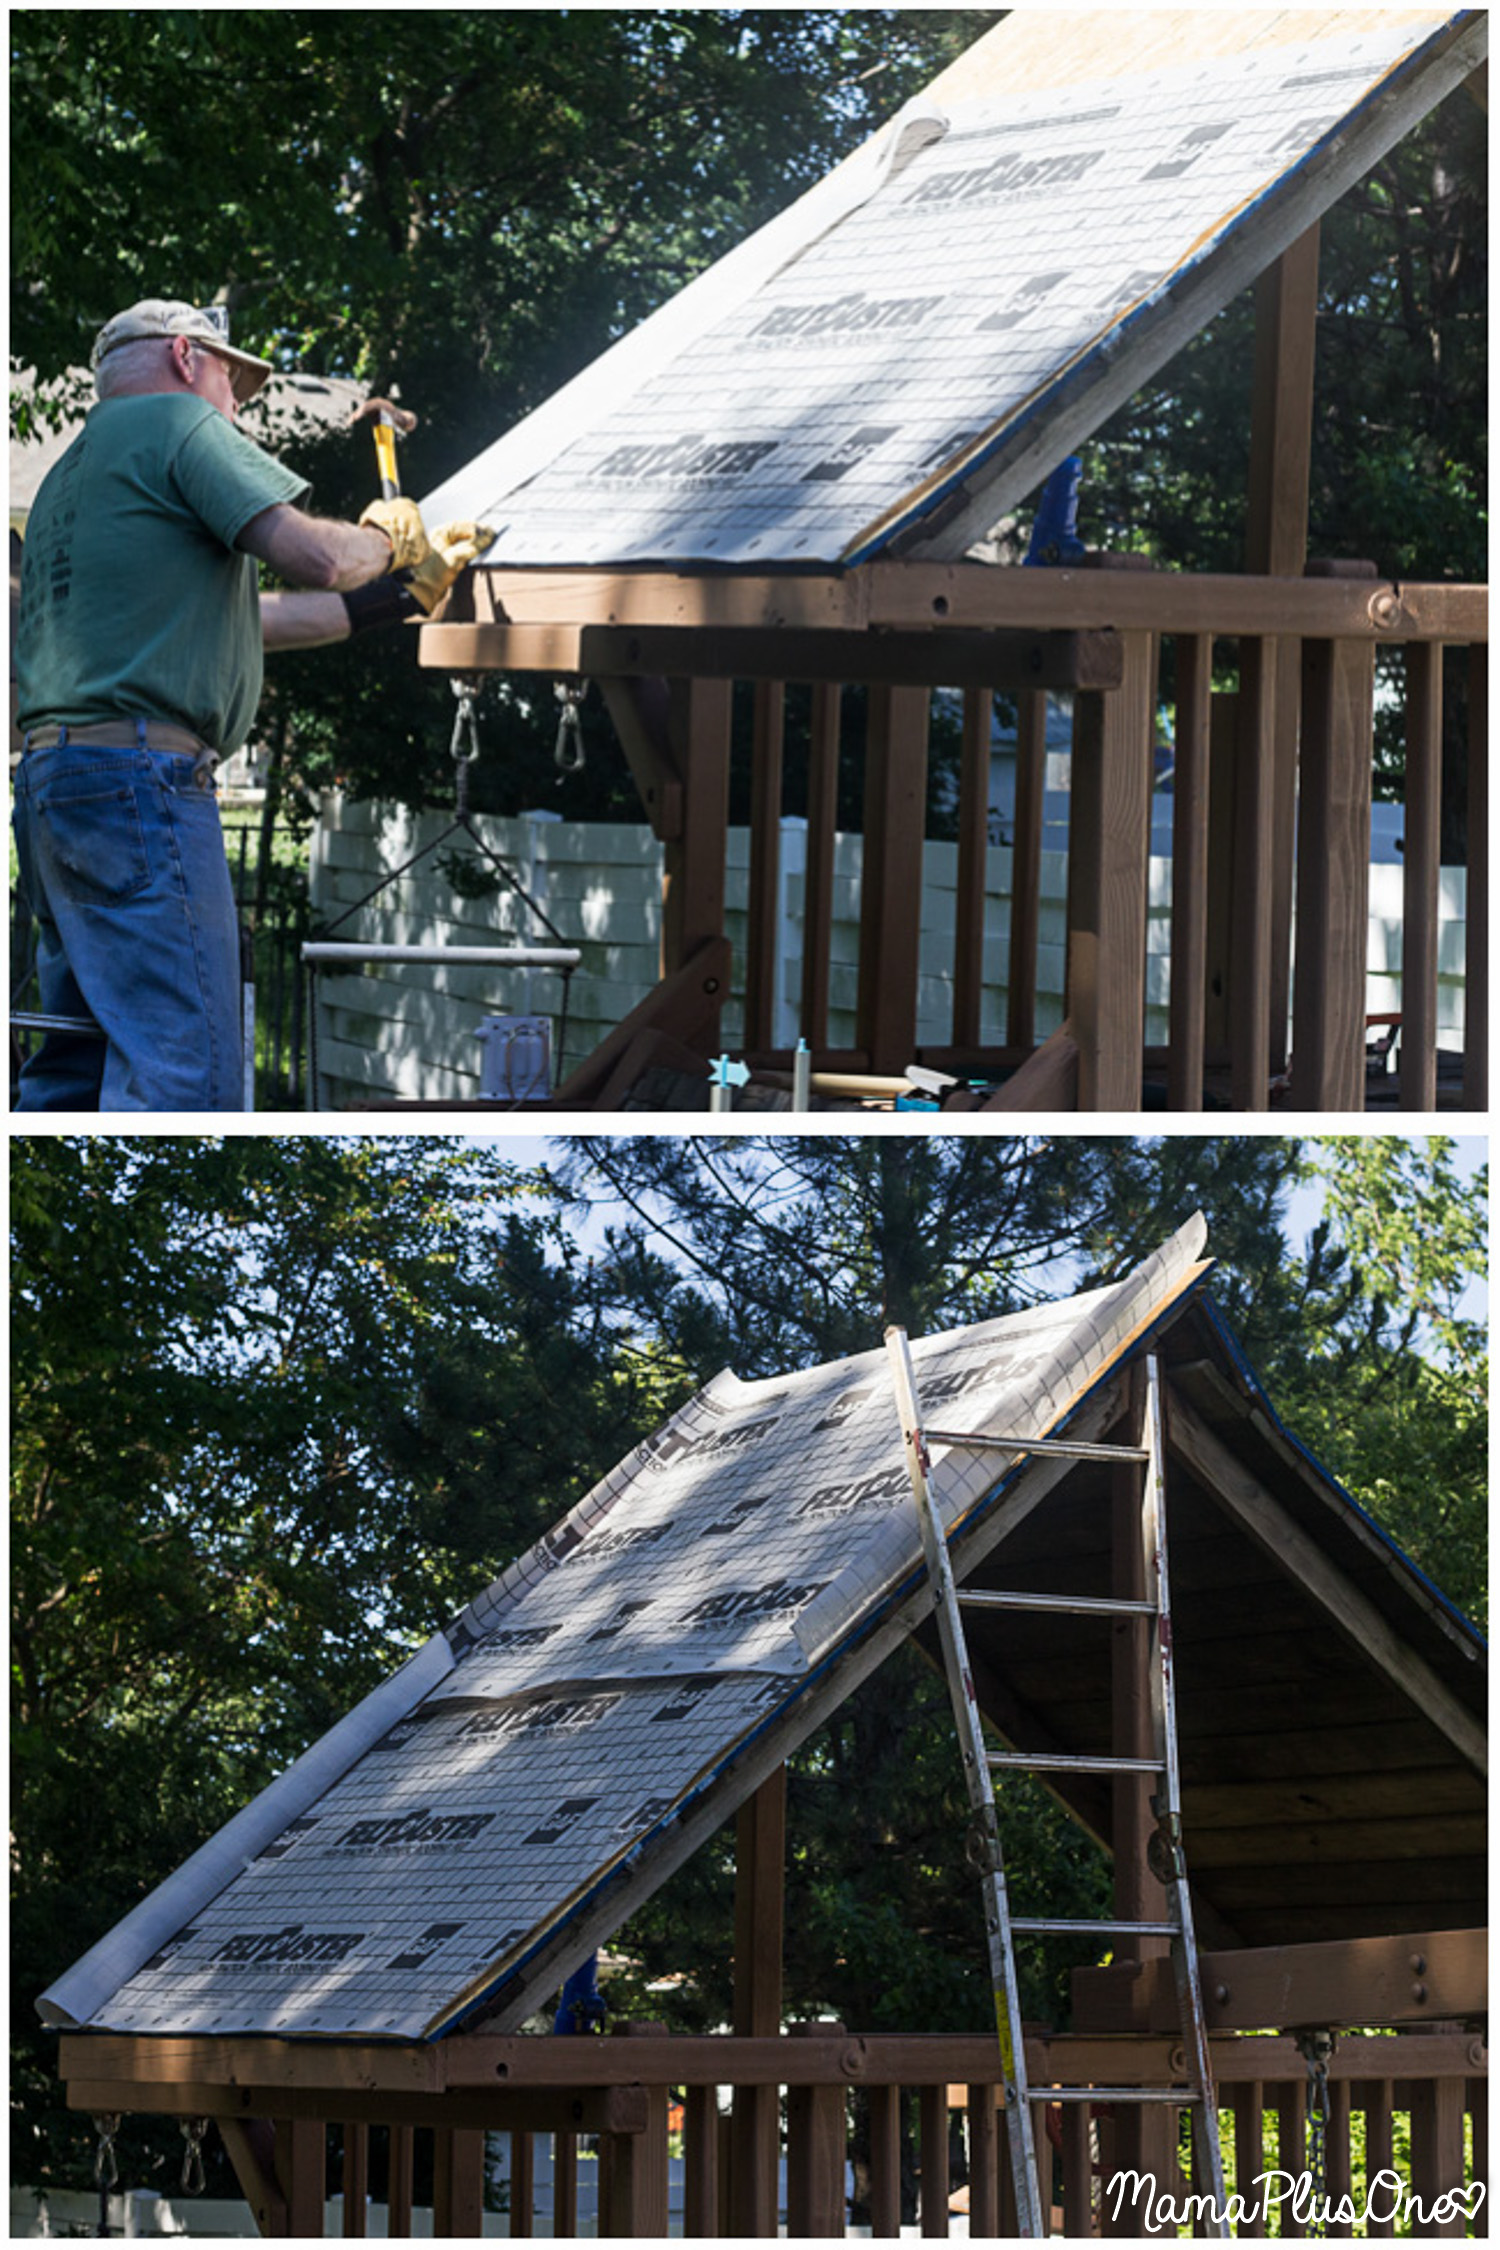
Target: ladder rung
[(1181, 2097), (1064, 1761), (1077, 1449), (1072, 1605), (1043, 1926)]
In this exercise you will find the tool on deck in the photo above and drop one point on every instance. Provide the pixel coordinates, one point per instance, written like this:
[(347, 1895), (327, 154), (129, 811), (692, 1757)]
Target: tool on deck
[(1196, 2092), (389, 419)]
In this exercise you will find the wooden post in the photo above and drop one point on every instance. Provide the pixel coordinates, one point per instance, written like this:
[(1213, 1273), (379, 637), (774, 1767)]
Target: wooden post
[(816, 2152), (458, 2182), (1281, 412), (760, 1862), (1333, 876), (762, 943), (1026, 866), (973, 862), (932, 2104), (1108, 868), (885, 2162), (693, 896), (1190, 799), (822, 825), (1477, 896), (1420, 875), (890, 907)]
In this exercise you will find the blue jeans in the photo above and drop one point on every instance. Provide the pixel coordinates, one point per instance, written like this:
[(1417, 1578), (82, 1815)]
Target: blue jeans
[(122, 862)]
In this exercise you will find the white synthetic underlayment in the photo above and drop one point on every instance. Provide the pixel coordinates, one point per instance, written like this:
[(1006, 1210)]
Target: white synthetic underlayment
[(411, 1861), (941, 290)]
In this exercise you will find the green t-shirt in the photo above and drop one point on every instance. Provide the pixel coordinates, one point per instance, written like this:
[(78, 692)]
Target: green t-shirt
[(133, 599)]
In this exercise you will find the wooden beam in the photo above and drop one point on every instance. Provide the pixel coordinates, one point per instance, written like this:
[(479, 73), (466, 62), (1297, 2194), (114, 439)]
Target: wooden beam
[(1277, 1533), (913, 595), (1190, 802), (617, 2109), (458, 2184), (1026, 868), (300, 2153), (815, 2153), (639, 710), (1430, 1976), (1477, 892), (973, 865), (1047, 1080), (250, 2144), (1251, 885), (759, 1895), (693, 878)]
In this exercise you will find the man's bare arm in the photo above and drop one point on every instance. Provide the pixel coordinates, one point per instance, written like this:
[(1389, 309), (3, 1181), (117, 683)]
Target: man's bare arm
[(315, 552), (302, 620)]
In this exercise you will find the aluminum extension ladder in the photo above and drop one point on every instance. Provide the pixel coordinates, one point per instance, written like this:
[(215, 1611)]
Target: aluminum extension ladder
[(1196, 2093)]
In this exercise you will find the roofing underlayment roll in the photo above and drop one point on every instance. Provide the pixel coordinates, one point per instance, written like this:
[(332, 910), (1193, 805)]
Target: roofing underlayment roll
[(432, 1854)]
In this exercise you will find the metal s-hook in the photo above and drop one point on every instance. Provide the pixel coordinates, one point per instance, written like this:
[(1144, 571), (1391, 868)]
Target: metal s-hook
[(568, 752)]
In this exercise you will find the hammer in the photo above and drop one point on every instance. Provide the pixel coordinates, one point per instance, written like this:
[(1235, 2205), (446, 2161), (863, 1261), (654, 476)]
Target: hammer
[(389, 418)]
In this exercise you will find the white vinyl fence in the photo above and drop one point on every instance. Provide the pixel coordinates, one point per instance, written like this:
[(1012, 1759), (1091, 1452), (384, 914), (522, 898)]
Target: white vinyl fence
[(405, 1032)]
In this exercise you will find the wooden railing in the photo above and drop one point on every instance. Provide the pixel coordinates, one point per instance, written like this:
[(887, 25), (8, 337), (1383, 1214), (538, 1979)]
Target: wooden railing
[(911, 2103), (1271, 815)]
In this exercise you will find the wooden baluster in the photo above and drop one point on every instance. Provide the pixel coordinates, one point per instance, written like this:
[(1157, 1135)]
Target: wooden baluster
[(816, 2152), (1077, 2171), (458, 2182), (398, 2194), (701, 2166), (1249, 2157), (984, 2164), (1108, 867), (564, 2186), (1251, 912), (762, 943), (885, 2162), (1420, 875), (1437, 2148), (933, 2110), (1380, 2144), (300, 2170), (822, 824), (1291, 2137), (1333, 876), (973, 867), (1189, 872), (1477, 908), (693, 895), (890, 910), (1026, 866), (356, 2181), (522, 2185)]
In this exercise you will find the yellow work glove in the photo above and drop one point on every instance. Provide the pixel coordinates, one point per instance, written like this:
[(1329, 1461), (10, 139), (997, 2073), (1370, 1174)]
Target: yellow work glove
[(451, 551), (401, 521)]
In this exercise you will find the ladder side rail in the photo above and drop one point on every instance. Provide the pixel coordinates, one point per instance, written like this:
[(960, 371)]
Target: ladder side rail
[(1031, 2216), (1208, 2155)]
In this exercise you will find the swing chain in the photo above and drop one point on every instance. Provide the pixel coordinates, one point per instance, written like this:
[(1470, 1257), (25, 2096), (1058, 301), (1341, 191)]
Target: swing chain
[(193, 2130), (106, 2165), (1317, 2048), (568, 753)]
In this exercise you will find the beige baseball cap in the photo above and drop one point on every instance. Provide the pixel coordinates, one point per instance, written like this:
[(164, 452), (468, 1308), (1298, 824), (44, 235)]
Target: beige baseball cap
[(170, 316)]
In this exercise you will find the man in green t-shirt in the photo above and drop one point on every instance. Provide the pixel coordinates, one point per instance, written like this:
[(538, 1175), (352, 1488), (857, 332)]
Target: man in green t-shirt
[(138, 666)]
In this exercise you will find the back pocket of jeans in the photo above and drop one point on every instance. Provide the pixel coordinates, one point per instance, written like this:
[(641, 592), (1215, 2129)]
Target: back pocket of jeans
[(94, 842)]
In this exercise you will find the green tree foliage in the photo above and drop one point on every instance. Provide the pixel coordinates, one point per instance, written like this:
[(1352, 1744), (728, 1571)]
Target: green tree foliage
[(279, 1406)]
